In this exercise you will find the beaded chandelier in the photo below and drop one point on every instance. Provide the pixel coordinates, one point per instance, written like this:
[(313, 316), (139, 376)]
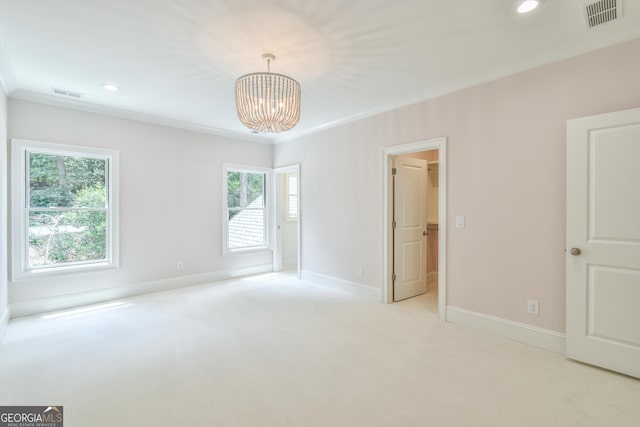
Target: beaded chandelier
[(268, 102)]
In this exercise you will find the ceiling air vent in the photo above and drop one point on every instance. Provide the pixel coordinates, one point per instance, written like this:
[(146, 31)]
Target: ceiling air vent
[(64, 92), (602, 11)]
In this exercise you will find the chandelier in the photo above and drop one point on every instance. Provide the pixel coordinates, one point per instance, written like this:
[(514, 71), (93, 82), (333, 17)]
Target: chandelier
[(268, 102)]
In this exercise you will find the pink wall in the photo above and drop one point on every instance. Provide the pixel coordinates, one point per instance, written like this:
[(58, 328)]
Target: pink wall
[(506, 174)]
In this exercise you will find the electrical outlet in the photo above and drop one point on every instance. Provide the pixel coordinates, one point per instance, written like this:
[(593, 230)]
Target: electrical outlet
[(533, 307), (180, 265)]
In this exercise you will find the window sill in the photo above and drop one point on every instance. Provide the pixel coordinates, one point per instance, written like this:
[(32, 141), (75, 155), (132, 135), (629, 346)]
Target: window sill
[(246, 251), (63, 271)]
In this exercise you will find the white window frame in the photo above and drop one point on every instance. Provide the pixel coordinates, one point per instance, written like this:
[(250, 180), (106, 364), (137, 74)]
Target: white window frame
[(290, 217), (20, 209), (230, 167)]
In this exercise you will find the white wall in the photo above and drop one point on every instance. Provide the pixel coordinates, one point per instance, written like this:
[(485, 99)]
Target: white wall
[(170, 197), (506, 174), (4, 304)]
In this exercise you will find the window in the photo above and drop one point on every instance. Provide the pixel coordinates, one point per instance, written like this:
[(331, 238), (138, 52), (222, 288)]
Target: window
[(63, 201), (245, 221), (292, 196)]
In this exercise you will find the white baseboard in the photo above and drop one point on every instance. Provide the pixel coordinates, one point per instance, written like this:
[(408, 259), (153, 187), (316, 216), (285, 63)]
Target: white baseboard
[(342, 285), (62, 302), (526, 334), (4, 322)]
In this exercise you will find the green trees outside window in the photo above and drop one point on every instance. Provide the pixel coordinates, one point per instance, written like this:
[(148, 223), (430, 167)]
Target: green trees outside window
[(243, 189), (67, 203)]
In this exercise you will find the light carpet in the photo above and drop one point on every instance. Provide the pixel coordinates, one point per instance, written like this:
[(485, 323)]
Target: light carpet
[(275, 351)]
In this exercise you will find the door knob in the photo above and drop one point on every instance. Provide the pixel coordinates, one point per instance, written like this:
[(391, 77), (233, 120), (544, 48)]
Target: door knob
[(575, 251), (424, 233)]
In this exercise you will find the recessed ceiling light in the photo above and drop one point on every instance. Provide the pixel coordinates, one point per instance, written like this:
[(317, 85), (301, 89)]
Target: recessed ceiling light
[(110, 87), (528, 5)]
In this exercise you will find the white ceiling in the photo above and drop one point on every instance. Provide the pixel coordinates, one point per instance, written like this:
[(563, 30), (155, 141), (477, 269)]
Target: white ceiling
[(176, 61)]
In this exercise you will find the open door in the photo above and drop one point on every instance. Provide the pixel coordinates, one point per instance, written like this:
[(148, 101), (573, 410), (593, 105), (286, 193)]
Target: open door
[(603, 241), (286, 253), (410, 227)]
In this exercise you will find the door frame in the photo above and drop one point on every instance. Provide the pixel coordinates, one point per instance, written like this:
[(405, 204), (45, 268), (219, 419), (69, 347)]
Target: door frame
[(439, 144), (277, 239)]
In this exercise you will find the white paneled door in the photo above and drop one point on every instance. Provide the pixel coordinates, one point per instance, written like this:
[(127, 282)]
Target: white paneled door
[(603, 241), (410, 230)]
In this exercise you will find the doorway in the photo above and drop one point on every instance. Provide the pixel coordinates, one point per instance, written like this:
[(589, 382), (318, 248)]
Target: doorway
[(286, 251), (437, 164)]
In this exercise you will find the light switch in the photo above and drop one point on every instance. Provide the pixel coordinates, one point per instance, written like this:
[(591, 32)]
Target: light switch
[(460, 221)]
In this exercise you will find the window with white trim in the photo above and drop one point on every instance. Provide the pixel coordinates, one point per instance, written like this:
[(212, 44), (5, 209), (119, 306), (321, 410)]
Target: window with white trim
[(245, 219), (292, 196), (63, 204)]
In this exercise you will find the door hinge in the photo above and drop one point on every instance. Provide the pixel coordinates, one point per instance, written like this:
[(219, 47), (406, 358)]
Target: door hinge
[(393, 224), (393, 171), (393, 278)]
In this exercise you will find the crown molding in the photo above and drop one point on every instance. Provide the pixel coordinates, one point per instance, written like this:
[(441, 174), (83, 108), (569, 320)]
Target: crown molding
[(57, 101)]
